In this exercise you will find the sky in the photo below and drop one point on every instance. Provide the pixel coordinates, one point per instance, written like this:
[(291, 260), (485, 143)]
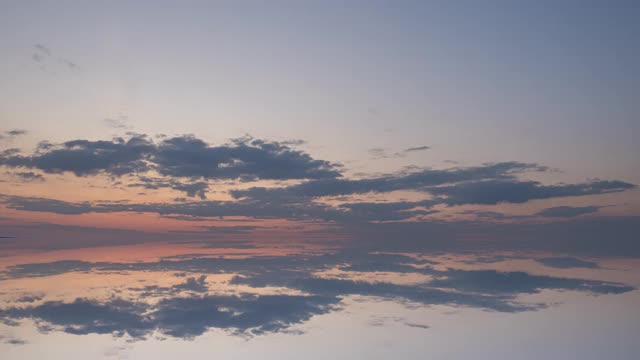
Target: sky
[(300, 165)]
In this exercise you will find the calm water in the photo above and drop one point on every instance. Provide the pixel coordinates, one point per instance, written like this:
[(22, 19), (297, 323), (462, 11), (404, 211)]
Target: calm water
[(138, 303)]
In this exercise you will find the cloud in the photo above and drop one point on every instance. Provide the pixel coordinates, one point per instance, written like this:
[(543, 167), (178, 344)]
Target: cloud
[(70, 64), (11, 134), (84, 157), (439, 293), (381, 153), (421, 180), (245, 158), (419, 326), (28, 176), (417, 148), (37, 58), (483, 214), (181, 317), (387, 211), (14, 341), (260, 269), (568, 211), (187, 309), (119, 122), (84, 316), (30, 298), (15, 132), (226, 230), (492, 192), (46, 205), (42, 49), (599, 237), (191, 189), (188, 317), (43, 55), (495, 282), (187, 164), (260, 209), (567, 263), (194, 284), (180, 157)]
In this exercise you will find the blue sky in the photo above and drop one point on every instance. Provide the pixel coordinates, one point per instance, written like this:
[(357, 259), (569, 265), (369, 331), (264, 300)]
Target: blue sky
[(548, 82)]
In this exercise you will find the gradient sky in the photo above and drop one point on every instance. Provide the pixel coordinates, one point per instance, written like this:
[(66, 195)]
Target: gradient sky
[(548, 82), (502, 131)]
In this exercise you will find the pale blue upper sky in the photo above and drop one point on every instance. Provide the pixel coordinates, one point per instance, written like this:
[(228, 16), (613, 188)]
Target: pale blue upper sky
[(553, 82)]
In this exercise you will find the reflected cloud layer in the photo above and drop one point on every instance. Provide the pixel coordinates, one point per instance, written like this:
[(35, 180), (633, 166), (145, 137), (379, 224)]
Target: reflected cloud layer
[(257, 295)]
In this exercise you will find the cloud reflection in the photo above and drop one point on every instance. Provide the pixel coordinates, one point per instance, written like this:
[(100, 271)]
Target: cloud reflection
[(241, 305)]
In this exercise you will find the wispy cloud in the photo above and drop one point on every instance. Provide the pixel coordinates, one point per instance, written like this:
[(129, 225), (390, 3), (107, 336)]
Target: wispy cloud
[(417, 148), (44, 57), (568, 211)]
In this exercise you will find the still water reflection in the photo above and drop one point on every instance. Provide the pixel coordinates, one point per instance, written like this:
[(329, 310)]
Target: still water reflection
[(336, 303)]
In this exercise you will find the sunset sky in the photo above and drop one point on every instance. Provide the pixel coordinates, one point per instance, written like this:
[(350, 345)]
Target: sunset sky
[(471, 139)]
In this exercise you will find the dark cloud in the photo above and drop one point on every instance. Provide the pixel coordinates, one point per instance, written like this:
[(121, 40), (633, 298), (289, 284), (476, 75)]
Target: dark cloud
[(387, 211), (495, 282), (487, 289), (568, 211), (187, 310), (422, 180), (15, 132), (188, 317), (417, 148), (46, 269), (191, 189), (182, 317), (293, 142), (84, 157), (183, 156), (198, 188), (419, 326), (46, 205), (187, 164), (492, 259), (84, 316), (417, 294), (249, 208), (198, 284), (51, 236), (9, 135), (28, 176), (31, 298), (491, 192), (598, 236), (245, 158), (192, 284), (567, 262), (225, 230), (586, 236), (483, 214), (14, 341), (384, 266)]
